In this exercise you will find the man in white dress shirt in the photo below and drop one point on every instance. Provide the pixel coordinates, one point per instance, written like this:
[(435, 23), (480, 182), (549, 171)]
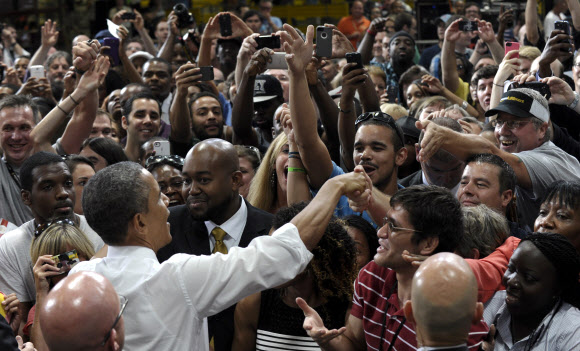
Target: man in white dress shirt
[(170, 301)]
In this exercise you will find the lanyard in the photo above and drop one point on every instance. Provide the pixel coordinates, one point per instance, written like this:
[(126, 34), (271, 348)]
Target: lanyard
[(13, 174)]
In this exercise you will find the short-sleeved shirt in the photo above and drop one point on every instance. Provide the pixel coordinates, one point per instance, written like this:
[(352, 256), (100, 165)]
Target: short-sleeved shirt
[(374, 293), (17, 276), (545, 165)]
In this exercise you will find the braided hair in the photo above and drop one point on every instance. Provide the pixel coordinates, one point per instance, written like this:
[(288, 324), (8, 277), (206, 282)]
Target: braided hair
[(563, 255)]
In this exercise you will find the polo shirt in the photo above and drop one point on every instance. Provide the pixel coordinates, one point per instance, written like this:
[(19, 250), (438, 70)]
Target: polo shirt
[(372, 295)]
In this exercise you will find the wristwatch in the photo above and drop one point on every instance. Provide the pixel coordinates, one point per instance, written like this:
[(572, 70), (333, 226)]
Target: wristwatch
[(343, 111)]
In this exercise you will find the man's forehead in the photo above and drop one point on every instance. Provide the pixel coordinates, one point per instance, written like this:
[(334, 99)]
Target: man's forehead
[(485, 81), (482, 170), (155, 66), (17, 114), (374, 133), (142, 104), (42, 172)]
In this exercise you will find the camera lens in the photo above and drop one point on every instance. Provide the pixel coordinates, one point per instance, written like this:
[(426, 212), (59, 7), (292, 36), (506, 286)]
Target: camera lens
[(323, 35), (156, 143)]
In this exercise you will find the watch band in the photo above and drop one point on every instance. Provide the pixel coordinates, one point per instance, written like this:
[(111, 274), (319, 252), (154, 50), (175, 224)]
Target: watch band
[(464, 105), (343, 111)]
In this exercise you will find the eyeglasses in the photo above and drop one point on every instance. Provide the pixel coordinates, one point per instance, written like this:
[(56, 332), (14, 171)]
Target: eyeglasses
[(172, 160), (498, 124), (123, 302), (392, 228), (43, 226), (381, 117), (255, 150), (577, 64)]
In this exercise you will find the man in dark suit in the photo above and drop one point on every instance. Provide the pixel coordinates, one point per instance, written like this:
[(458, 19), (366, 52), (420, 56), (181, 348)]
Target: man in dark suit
[(442, 169), (215, 219)]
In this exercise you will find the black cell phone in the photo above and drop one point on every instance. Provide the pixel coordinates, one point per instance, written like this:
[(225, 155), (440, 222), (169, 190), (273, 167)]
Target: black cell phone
[(467, 26), (128, 16), (206, 73), (225, 25), (323, 42), (392, 94), (268, 41), (113, 43), (354, 57), (565, 26), (540, 87)]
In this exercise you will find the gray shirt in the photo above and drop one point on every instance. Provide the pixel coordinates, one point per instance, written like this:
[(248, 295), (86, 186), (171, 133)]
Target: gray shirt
[(558, 331), (545, 164), (16, 273), (11, 206)]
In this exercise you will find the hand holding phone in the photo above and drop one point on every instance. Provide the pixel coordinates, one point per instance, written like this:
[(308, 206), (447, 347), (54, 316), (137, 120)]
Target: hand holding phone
[(467, 26), (512, 46), (36, 71), (354, 57), (129, 15), (268, 41), (206, 73), (564, 26), (323, 42), (113, 43)]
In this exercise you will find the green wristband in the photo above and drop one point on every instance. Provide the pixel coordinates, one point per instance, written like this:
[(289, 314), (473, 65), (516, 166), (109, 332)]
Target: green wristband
[(296, 169)]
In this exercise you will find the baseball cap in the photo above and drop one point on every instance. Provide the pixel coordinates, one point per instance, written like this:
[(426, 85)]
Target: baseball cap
[(267, 87), (408, 127), (442, 18), (520, 105), (142, 54)]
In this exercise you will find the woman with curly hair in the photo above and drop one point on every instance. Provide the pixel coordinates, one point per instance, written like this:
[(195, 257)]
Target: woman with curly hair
[(272, 318), (269, 186)]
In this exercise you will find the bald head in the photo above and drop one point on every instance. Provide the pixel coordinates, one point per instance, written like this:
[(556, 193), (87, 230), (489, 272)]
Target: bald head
[(217, 151), (79, 38), (79, 312), (444, 300)]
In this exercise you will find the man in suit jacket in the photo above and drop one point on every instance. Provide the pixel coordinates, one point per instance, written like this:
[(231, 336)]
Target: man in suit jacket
[(214, 205), (442, 169)]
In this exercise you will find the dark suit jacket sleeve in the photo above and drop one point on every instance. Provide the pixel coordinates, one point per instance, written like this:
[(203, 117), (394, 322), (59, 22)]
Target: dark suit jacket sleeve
[(7, 338)]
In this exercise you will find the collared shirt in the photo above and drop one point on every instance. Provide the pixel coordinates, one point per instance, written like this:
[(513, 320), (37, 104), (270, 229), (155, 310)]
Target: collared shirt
[(165, 107), (234, 227), (454, 347), (392, 76), (168, 302), (559, 330), (452, 190)]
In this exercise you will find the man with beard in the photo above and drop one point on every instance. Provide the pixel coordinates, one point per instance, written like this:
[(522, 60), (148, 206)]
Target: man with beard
[(56, 67), (401, 51), (443, 169), (47, 188), (141, 119), (205, 112), (215, 219)]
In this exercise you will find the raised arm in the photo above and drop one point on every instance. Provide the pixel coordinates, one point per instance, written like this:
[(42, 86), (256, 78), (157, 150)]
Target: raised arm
[(486, 33), (574, 7), (464, 145), (434, 86), (508, 67), (448, 61), (166, 50), (365, 48), (313, 152), (557, 48), (128, 66), (505, 17), (352, 79), (212, 31), (243, 109), (248, 49), (80, 126), (48, 39), (531, 16), (179, 114), (139, 25)]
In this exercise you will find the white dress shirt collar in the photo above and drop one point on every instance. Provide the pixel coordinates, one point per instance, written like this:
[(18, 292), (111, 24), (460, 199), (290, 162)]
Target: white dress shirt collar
[(139, 252), (234, 227)]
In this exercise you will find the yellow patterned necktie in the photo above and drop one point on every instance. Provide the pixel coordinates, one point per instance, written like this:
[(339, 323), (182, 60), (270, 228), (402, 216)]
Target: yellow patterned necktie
[(219, 234)]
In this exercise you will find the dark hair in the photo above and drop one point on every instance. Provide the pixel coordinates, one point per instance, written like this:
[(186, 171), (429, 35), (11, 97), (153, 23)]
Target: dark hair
[(403, 19), (441, 154), (160, 60), (250, 153), (38, 159), (484, 73), (567, 193), (507, 176), (366, 228), (73, 161), (468, 66), (200, 95), (396, 130), (128, 107), (108, 149), (112, 197), (12, 87), (411, 74), (251, 13), (334, 264), (433, 212), (13, 101), (565, 258)]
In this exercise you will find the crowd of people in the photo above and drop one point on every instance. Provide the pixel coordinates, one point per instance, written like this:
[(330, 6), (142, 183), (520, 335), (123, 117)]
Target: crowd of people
[(224, 186)]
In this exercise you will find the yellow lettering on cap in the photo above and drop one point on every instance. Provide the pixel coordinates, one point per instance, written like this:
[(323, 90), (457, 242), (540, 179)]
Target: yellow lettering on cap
[(513, 98)]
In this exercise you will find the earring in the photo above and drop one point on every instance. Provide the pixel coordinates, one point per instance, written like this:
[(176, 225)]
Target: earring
[(273, 179)]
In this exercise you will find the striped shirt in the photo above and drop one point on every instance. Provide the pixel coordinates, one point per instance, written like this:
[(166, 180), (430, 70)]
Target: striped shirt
[(266, 340), (371, 297)]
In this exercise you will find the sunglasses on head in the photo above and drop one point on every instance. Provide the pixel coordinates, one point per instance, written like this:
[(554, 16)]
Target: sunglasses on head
[(172, 160), (381, 117), (43, 226)]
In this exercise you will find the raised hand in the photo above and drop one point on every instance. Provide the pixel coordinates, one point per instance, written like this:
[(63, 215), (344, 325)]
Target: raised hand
[(249, 46), (84, 53), (352, 79), (187, 75), (434, 85), (315, 327), (452, 32), (43, 269), (562, 94), (509, 66), (95, 75), (284, 119), (258, 62), (432, 140), (558, 46), (11, 305), (138, 22), (485, 31), (298, 51), (49, 34)]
